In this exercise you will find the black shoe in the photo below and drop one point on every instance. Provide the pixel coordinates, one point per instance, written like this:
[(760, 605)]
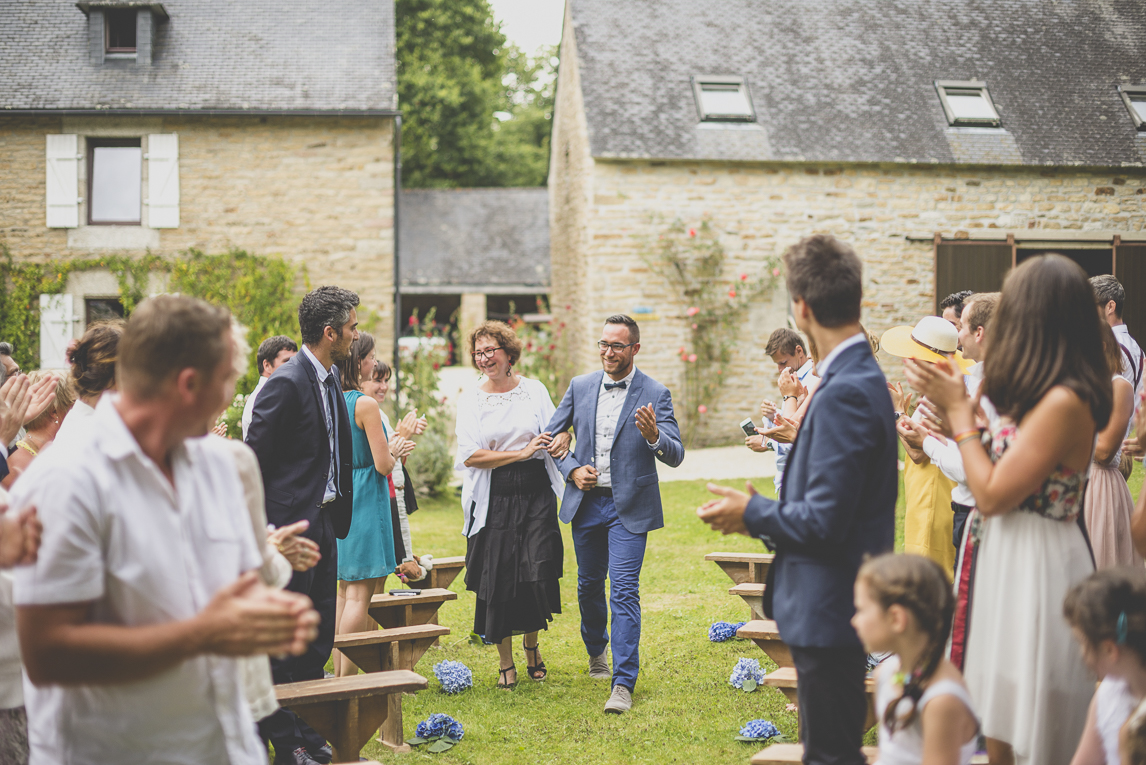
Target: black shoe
[(535, 671), (323, 755), (503, 678), (298, 757)]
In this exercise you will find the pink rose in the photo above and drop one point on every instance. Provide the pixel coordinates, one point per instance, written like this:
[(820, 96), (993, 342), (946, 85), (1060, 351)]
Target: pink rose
[(702, 409), (692, 358), (731, 293), (692, 232), (775, 272), (694, 326), (693, 311), (744, 277)]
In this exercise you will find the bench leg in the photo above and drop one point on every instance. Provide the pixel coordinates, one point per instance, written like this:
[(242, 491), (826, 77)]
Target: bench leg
[(349, 723), (391, 735)]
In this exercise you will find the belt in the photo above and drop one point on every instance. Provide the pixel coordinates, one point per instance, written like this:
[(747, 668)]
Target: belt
[(964, 508), (601, 491)]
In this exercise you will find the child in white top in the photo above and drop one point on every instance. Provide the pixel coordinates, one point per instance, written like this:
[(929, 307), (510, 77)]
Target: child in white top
[(904, 605), (1107, 614)]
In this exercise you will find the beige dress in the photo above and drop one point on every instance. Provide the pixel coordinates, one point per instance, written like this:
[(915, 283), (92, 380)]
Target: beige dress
[(1108, 508)]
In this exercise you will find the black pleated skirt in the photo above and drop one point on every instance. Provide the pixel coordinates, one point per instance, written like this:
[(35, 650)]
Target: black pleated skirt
[(514, 564)]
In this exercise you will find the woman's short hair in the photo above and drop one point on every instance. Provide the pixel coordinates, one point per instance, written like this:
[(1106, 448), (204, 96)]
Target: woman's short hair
[(351, 369), (62, 402), (502, 334), (381, 371), (93, 359)]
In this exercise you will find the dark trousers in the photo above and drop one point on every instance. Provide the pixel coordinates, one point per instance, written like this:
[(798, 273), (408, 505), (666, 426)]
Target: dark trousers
[(958, 523), (605, 547), (833, 704), (284, 729)]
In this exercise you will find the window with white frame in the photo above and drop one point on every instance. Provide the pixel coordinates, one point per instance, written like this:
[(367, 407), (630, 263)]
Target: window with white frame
[(967, 103), (1134, 96), (115, 181), (723, 99)]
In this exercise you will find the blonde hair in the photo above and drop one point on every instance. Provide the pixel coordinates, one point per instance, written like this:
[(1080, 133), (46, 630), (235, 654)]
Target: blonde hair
[(63, 401)]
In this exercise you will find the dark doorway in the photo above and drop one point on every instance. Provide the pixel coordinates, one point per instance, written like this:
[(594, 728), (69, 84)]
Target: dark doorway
[(101, 309), (1095, 261)]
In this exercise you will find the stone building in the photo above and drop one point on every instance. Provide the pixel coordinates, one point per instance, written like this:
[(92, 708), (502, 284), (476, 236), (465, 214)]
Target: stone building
[(129, 126), (947, 140)]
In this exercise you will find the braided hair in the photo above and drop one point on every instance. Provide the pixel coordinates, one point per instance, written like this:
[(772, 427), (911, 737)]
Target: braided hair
[(919, 585)]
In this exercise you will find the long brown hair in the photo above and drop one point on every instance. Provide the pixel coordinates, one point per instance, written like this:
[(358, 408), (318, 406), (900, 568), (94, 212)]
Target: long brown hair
[(1045, 332), (93, 359), (919, 585), (351, 369)]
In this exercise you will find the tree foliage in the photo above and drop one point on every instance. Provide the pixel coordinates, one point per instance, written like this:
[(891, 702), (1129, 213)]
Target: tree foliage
[(475, 110)]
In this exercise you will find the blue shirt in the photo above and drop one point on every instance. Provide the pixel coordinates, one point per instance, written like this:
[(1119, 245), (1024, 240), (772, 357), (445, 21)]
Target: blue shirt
[(782, 450)]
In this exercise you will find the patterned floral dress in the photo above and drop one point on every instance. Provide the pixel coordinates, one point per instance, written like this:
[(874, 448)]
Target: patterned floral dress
[(1023, 669)]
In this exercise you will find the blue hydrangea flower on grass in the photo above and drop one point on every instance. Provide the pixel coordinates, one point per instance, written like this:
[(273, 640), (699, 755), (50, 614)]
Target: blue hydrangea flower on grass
[(746, 675), (721, 631), (439, 731), (758, 730), (454, 676)]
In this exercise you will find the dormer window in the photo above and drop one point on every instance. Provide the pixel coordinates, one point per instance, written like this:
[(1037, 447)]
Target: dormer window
[(1134, 96), (119, 33), (967, 103), (722, 99)]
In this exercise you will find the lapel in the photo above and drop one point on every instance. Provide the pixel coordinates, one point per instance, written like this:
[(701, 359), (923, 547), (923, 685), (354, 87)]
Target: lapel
[(632, 400), (316, 394), (838, 363), (591, 404)]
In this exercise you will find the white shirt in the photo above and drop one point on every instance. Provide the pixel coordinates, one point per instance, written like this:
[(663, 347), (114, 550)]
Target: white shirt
[(249, 406), (117, 533), (75, 420), (323, 373), (946, 455), (1122, 335), (805, 376), (609, 404), (856, 339)]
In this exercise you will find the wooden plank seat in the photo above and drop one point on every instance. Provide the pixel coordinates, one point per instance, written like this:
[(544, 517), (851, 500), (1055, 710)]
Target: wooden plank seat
[(785, 678), (442, 575), (385, 651), (751, 593), (743, 567), (407, 610), (763, 632), (346, 711), (793, 754)]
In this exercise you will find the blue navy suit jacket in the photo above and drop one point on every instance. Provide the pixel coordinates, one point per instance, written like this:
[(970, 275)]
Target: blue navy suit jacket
[(836, 506), (636, 491), (288, 434)]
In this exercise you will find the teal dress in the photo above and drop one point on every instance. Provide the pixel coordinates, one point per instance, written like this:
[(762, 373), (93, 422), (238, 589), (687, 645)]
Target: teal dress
[(368, 550)]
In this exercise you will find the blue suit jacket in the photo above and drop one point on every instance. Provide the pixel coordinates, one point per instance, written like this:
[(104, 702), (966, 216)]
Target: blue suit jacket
[(288, 433), (837, 504), (636, 492)]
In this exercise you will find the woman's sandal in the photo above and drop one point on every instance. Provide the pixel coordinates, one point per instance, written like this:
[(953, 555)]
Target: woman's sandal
[(504, 676), (533, 670)]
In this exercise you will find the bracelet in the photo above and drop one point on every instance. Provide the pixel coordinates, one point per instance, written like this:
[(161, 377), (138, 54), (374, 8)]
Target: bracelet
[(960, 434), (967, 437), (788, 397)]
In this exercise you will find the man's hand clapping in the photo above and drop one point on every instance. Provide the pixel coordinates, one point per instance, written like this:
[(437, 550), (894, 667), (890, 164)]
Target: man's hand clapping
[(301, 552), (647, 423), (726, 514), (768, 410), (785, 430), (790, 385), (246, 618), (19, 537), (911, 432), (14, 402), (900, 401)]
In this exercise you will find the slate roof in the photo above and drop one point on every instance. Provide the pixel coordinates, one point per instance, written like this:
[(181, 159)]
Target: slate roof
[(459, 238), (853, 80), (293, 55)]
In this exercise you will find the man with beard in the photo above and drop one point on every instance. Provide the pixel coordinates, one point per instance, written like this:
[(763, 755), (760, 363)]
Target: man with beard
[(300, 431)]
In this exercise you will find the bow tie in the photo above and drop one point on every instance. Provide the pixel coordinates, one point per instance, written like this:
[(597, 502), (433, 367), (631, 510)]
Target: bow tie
[(622, 385)]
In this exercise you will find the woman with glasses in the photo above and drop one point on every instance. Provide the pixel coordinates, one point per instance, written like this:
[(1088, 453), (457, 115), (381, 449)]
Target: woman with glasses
[(509, 497)]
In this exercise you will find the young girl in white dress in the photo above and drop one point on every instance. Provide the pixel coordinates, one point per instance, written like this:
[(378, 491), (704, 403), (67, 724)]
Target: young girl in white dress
[(1107, 614), (904, 605)]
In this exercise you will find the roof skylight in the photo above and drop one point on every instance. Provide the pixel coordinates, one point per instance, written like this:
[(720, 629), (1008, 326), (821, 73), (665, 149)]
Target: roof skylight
[(722, 99), (967, 103), (1134, 96)]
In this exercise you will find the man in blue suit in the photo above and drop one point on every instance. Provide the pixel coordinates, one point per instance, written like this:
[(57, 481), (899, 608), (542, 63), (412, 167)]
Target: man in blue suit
[(836, 506), (623, 420)]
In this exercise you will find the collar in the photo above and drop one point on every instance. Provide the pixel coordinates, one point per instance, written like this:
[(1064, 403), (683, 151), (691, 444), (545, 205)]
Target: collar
[(627, 379), (116, 440), (322, 371), (1121, 329), (855, 339), (805, 370)]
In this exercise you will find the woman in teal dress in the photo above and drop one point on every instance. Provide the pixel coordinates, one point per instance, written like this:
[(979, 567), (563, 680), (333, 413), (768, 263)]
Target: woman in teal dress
[(366, 556)]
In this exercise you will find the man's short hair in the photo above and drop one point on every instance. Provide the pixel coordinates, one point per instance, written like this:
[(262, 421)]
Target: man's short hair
[(270, 349), (956, 300), (1107, 288), (826, 274), (982, 309), (322, 308), (634, 330), (167, 334), (785, 341)]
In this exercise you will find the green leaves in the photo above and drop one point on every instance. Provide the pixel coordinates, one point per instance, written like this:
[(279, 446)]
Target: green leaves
[(748, 685), (438, 744)]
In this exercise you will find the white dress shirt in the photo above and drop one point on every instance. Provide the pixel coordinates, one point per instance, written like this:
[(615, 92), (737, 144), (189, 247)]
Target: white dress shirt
[(323, 373), (1122, 335), (77, 418), (610, 402), (946, 454), (824, 363), (142, 550), (249, 405)]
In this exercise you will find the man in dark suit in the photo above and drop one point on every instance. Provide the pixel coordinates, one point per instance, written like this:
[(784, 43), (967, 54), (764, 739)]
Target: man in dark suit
[(623, 420), (836, 506), (300, 431)]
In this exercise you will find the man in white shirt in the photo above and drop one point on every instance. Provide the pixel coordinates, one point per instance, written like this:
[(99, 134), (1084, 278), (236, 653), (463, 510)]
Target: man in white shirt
[(273, 353), (786, 349), (146, 582), (1111, 298)]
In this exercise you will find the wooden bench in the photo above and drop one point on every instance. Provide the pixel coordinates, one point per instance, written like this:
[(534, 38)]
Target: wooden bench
[(346, 711), (793, 754), (751, 593), (385, 651), (763, 632), (408, 610), (442, 575), (743, 567), (785, 678)]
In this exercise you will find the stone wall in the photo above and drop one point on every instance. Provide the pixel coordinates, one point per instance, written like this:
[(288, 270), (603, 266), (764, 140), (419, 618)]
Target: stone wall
[(317, 191), (760, 209)]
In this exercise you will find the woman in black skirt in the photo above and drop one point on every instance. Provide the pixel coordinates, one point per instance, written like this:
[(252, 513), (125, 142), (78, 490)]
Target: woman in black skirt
[(509, 497)]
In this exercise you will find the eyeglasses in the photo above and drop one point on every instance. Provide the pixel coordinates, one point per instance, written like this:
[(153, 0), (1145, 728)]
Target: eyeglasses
[(486, 354), (616, 347)]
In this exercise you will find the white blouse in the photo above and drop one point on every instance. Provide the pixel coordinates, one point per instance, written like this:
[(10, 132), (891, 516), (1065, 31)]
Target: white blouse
[(500, 422)]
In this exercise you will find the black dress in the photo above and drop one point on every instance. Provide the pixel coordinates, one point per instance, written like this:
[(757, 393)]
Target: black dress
[(514, 563)]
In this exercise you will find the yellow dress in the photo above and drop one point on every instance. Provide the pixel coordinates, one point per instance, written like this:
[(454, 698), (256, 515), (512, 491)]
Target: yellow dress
[(929, 520)]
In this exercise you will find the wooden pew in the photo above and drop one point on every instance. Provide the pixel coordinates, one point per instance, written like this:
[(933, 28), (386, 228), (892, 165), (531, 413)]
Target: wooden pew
[(763, 632), (385, 651), (751, 593), (793, 754), (442, 575), (784, 678), (408, 610), (346, 711), (743, 567)]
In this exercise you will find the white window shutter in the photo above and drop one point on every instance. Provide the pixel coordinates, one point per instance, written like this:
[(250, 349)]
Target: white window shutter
[(55, 330), (163, 180), (63, 202)]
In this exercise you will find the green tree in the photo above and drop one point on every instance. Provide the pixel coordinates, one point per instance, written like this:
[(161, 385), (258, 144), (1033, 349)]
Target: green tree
[(476, 111)]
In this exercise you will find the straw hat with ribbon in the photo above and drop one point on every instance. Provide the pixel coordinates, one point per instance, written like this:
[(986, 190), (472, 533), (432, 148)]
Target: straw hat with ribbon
[(931, 339)]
